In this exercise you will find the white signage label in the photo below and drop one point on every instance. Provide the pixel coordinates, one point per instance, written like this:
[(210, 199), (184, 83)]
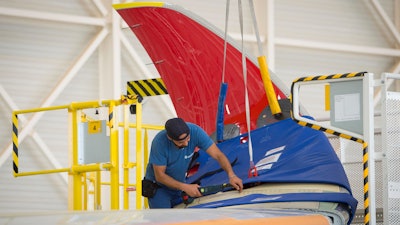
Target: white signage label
[(347, 107)]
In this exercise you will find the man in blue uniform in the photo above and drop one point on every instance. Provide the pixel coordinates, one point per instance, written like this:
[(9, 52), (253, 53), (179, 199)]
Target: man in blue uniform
[(171, 152)]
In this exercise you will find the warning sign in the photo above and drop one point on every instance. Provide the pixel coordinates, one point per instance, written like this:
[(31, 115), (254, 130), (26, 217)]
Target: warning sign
[(94, 127)]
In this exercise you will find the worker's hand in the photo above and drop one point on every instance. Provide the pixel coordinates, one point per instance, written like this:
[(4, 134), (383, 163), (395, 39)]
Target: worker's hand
[(236, 182), (192, 190)]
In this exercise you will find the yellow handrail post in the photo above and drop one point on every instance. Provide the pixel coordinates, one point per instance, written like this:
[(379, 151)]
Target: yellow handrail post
[(85, 192), (97, 190), (126, 156), (146, 148), (146, 158), (75, 179), (139, 163), (114, 158)]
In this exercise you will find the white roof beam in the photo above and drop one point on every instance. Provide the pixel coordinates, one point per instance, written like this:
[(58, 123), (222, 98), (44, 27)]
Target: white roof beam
[(338, 47), (388, 22), (392, 52), (101, 7), (55, 17)]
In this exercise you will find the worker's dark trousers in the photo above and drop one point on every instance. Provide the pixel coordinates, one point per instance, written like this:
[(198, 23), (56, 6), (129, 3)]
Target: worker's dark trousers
[(165, 198)]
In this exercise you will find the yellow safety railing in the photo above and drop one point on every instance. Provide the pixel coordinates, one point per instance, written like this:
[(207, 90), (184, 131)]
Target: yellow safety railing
[(78, 186)]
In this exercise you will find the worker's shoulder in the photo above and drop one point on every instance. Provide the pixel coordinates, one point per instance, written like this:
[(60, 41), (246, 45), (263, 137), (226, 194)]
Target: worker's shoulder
[(193, 126)]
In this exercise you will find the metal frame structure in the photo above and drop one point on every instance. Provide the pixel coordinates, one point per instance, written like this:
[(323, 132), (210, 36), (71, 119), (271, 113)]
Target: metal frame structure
[(366, 138), (77, 172)]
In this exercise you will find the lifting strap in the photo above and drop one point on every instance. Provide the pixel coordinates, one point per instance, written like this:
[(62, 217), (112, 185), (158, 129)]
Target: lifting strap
[(252, 169), (224, 86)]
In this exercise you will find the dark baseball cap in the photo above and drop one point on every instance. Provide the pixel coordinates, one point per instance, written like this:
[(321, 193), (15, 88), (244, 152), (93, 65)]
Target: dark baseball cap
[(175, 127)]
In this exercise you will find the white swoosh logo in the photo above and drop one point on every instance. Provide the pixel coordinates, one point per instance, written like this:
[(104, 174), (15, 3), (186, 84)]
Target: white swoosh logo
[(189, 156)]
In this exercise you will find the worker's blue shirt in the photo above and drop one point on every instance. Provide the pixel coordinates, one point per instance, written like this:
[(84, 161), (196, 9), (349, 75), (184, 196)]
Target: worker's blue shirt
[(165, 153)]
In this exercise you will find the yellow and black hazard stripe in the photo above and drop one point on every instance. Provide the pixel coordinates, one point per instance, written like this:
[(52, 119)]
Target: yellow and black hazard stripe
[(327, 77), (330, 131), (15, 142), (111, 117), (366, 189), (148, 87)]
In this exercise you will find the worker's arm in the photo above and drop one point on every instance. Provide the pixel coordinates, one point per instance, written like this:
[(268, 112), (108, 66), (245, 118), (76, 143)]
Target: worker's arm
[(191, 189), (235, 181)]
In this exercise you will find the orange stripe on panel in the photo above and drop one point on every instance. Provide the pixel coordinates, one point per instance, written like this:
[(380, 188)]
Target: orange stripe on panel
[(297, 220)]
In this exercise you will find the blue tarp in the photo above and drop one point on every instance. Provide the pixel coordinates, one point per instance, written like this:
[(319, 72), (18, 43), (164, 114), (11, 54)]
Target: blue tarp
[(284, 152)]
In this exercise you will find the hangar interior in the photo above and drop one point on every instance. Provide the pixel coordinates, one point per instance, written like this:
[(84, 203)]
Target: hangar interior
[(58, 52)]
